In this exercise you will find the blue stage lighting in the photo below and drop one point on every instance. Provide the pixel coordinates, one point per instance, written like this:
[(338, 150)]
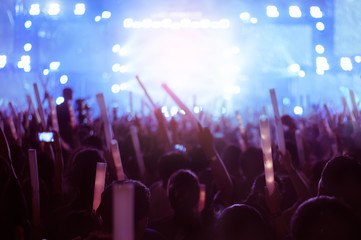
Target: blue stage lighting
[(59, 100), (295, 12), (27, 24), (319, 49), (34, 9), (27, 47), (106, 14), (54, 9), (3, 61), (54, 66), (316, 12), (63, 79), (320, 26), (298, 110), (79, 9), (272, 11)]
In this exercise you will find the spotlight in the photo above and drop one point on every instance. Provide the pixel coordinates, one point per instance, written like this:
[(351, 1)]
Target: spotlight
[(27, 68), (27, 47), (295, 12), (3, 61), (59, 100), (272, 11), (298, 110), (122, 51), (301, 74), (253, 20), (27, 24), (34, 9), (346, 63), (245, 16), (25, 59), (116, 67), (115, 88), (320, 26), (123, 69), (286, 102), (316, 12), (123, 86), (115, 48), (322, 64), (97, 18), (54, 9), (46, 72), (63, 79), (79, 9), (54, 66), (319, 49), (358, 59), (294, 68), (106, 14)]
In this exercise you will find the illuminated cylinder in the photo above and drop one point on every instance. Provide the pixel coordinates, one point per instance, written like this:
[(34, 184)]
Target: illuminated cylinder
[(117, 160), (123, 212), (99, 184), (279, 126)]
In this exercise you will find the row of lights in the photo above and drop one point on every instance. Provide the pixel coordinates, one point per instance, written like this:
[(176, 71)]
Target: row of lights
[(53, 9), (294, 12), (182, 24)]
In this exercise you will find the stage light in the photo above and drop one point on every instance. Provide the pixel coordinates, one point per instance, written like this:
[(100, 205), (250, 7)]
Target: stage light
[(116, 48), (54, 66), (59, 100), (46, 72), (115, 88), (322, 64), (298, 110), (34, 9), (63, 79), (27, 47), (3, 61), (295, 12), (106, 14), (294, 68), (79, 9), (245, 16), (123, 69), (346, 63), (358, 59), (320, 71), (28, 24), (173, 111), (20, 64), (164, 109), (196, 110), (301, 74), (123, 86), (127, 23), (54, 9), (27, 68), (319, 49), (97, 18), (316, 12), (272, 11), (25, 59), (320, 26), (122, 52), (286, 102), (116, 67), (235, 50), (236, 89), (254, 20)]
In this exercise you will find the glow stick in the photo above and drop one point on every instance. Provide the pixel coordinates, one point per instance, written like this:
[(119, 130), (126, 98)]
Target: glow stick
[(327, 127), (138, 153), (54, 115), (12, 128), (202, 197), (267, 154), (242, 131), (353, 119), (34, 178), (117, 160), (354, 105), (104, 115), (71, 114), (31, 104), (13, 112), (279, 126), (123, 212), (327, 113), (99, 184), (40, 106), (146, 93), (180, 104), (300, 149)]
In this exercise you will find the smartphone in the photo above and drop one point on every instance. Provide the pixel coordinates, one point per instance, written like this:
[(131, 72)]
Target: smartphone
[(46, 136), (180, 148)]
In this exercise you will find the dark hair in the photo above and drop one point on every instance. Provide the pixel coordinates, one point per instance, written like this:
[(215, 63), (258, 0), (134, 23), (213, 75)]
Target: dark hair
[(323, 217), (67, 93), (171, 162)]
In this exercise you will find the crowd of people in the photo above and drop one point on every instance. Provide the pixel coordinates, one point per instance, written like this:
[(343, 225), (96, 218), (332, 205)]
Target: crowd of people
[(317, 194)]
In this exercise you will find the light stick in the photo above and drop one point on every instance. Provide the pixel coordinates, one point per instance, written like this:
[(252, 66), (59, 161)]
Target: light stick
[(267, 153), (34, 178), (71, 114), (146, 93), (354, 105), (123, 212), (13, 112), (99, 184), (202, 197), (180, 104), (104, 115), (242, 131), (300, 149), (31, 105), (138, 153), (117, 160), (279, 126), (40, 105), (353, 119), (54, 115), (12, 128), (328, 113)]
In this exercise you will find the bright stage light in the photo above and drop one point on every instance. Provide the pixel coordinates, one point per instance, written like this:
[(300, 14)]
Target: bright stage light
[(196, 109), (320, 26), (298, 110), (46, 72), (316, 12), (27, 24), (358, 59), (3, 61), (59, 100), (54, 66), (168, 23), (173, 110), (164, 109), (27, 68), (79, 9), (115, 88), (245, 16), (25, 59), (123, 69), (97, 18), (235, 50), (295, 12), (34, 9), (322, 64), (301, 74), (54, 9), (346, 63), (115, 48), (272, 11), (20, 64), (254, 20), (122, 51), (319, 49), (106, 14), (116, 67), (123, 86), (27, 47), (320, 71), (63, 79), (294, 68)]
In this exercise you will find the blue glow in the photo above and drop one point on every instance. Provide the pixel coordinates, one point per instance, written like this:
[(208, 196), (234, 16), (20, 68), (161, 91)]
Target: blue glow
[(59, 100), (63, 79), (286, 102), (106, 14), (27, 68), (316, 12), (294, 68), (25, 59), (116, 67), (28, 24), (245, 16), (115, 88), (3, 61), (54, 66), (254, 20), (301, 74), (79, 9), (298, 110), (319, 49), (27, 47), (46, 72), (346, 63), (295, 12), (320, 26), (322, 64), (358, 59), (97, 18), (272, 11), (34, 9), (116, 48), (54, 9)]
